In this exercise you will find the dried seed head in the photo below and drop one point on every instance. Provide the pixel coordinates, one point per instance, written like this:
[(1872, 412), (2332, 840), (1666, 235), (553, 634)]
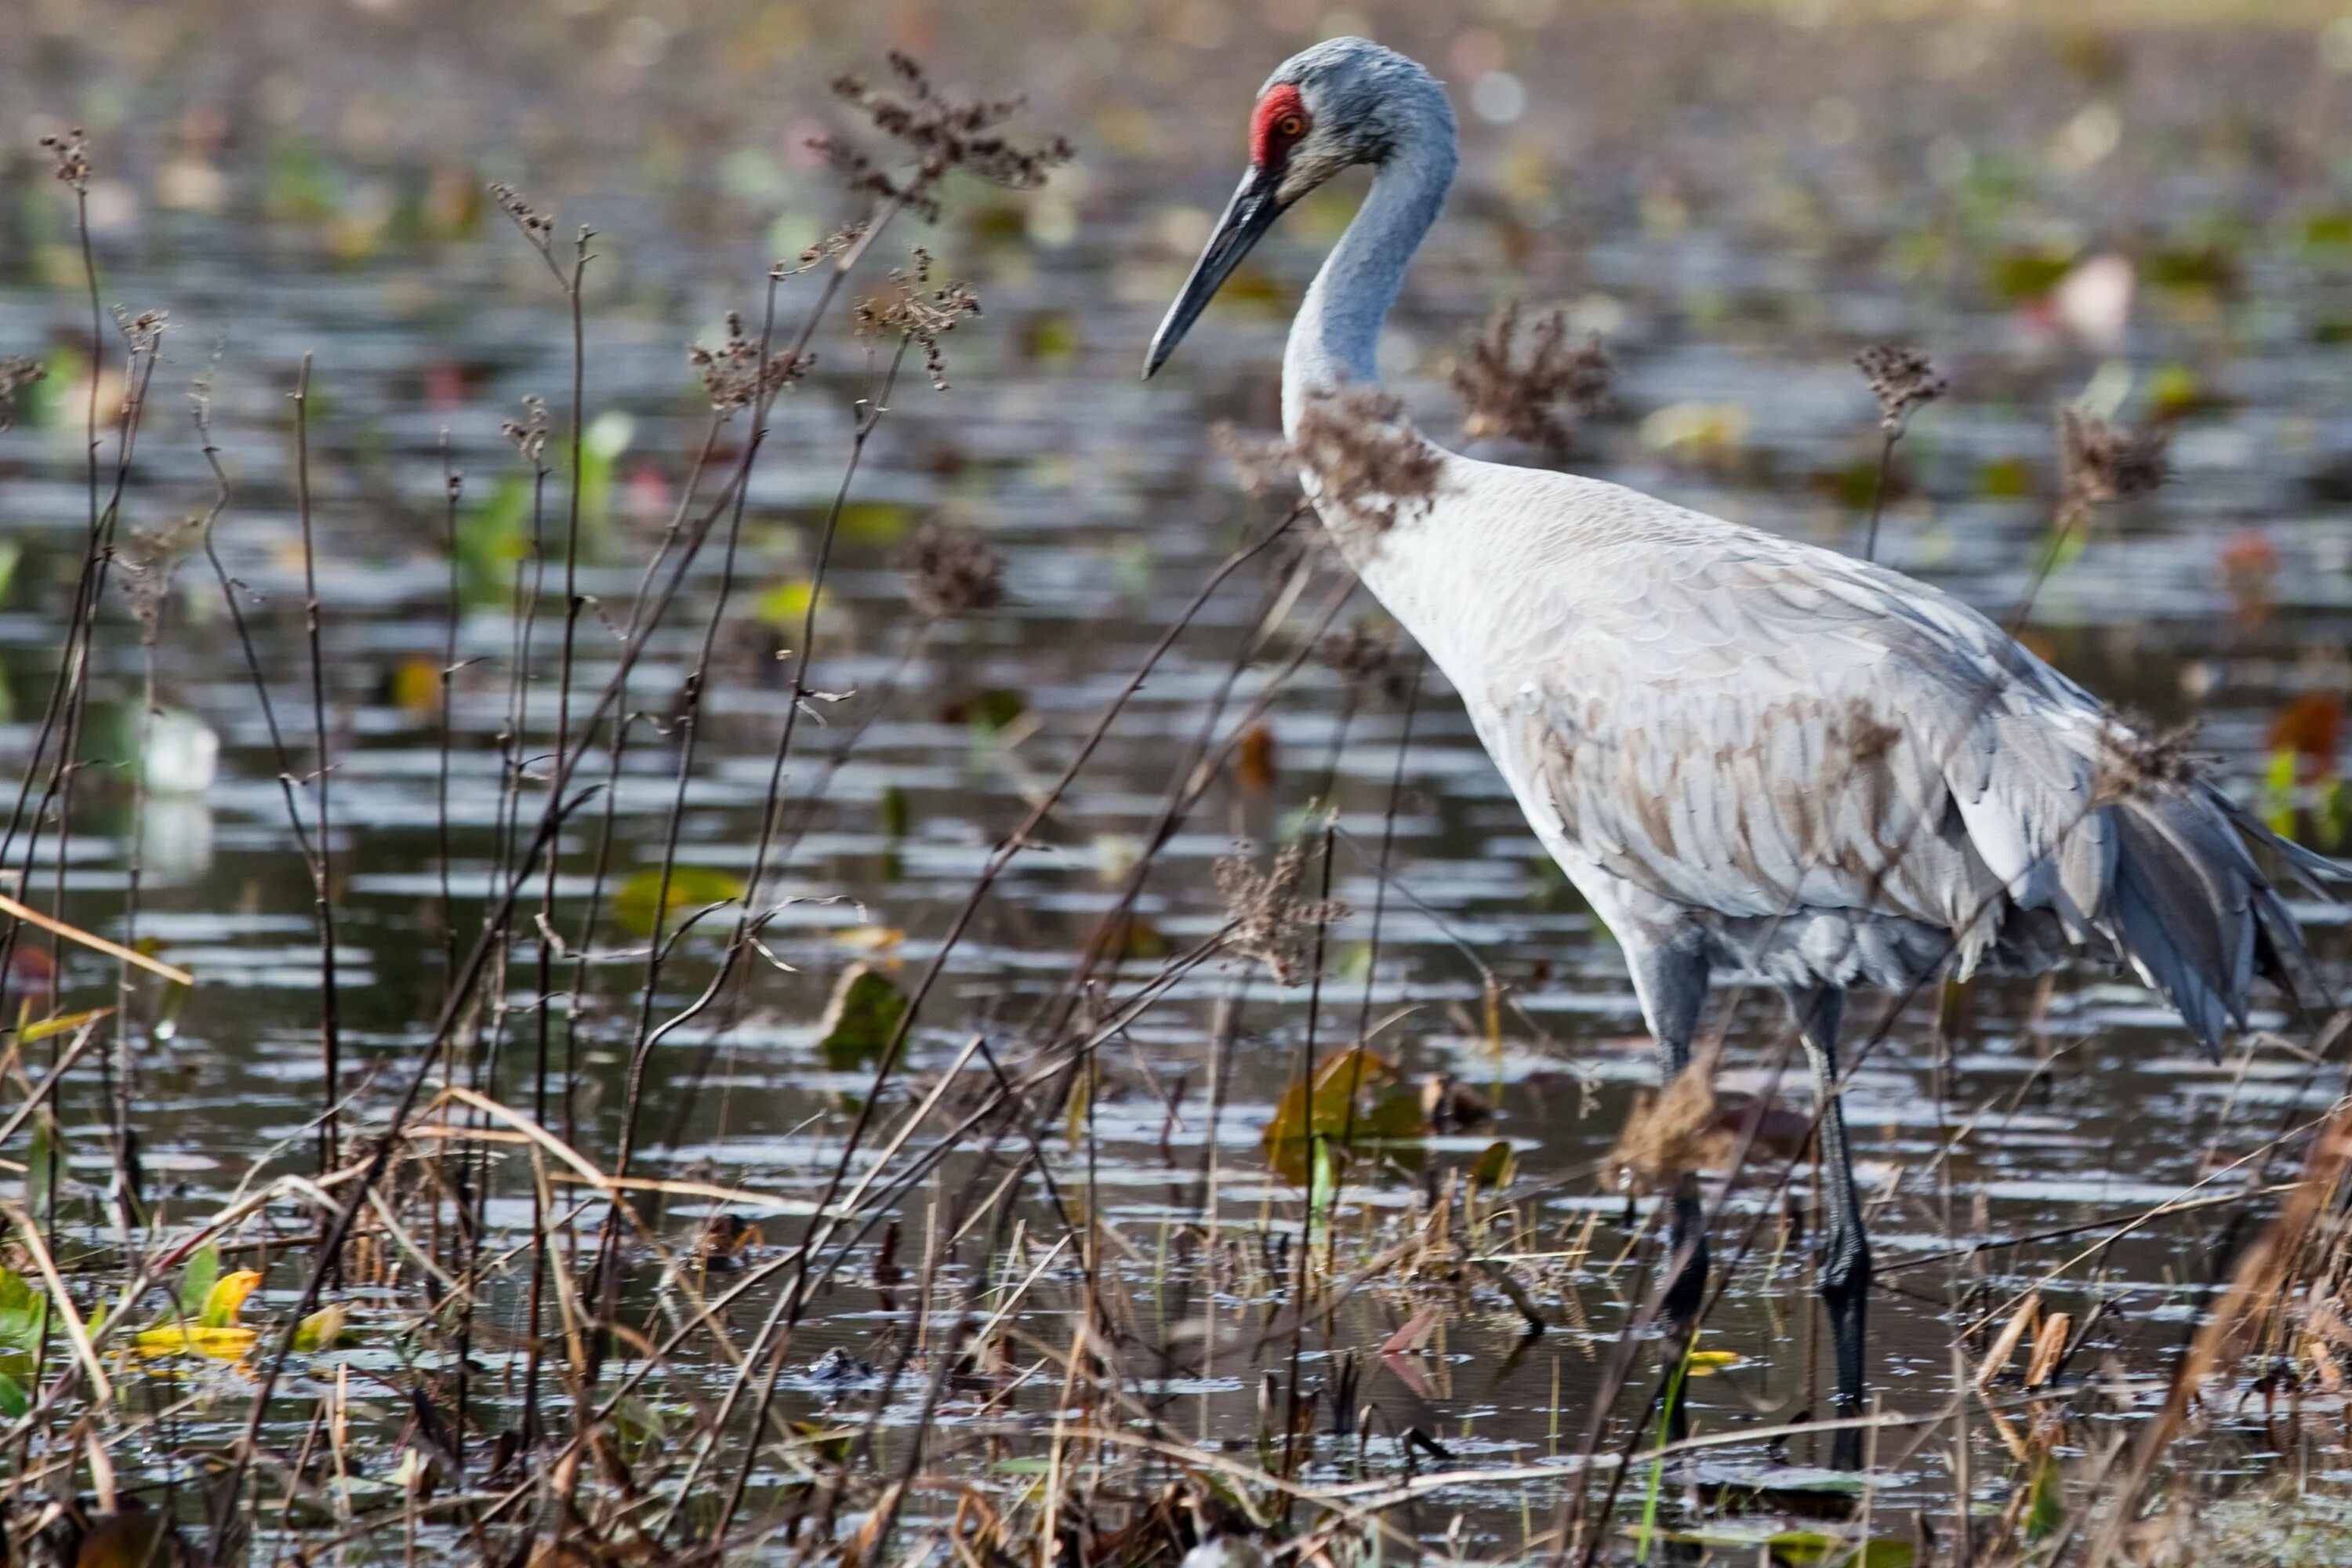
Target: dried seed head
[(1504, 395), (951, 570), (1902, 379), (918, 313), (145, 331), (938, 132), (1260, 464), (1365, 656), (2100, 462), (1672, 1132), (16, 372), (1268, 922), (835, 244), (537, 227), (71, 153), (147, 561), (2138, 761), (1368, 462), (733, 373), (528, 433)]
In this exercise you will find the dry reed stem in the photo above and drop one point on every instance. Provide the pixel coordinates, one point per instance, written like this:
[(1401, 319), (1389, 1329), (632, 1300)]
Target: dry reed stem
[(17, 910)]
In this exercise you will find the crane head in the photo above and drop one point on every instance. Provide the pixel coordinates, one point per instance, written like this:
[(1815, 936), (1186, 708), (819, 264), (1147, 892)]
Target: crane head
[(1344, 102)]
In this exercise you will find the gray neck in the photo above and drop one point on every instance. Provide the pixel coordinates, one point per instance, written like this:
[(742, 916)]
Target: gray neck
[(1333, 340)]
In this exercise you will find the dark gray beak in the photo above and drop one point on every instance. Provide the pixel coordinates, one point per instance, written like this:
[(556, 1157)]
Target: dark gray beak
[(1248, 216)]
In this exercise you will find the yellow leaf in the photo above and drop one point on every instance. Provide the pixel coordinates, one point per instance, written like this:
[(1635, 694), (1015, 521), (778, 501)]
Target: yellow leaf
[(1706, 1363), (226, 1299), (219, 1343), (321, 1329), (786, 606), (417, 686), (641, 901), (869, 939), (1339, 1106), (63, 1024)]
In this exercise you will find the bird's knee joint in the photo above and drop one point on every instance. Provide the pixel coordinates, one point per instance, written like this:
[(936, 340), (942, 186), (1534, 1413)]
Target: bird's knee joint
[(1845, 1272)]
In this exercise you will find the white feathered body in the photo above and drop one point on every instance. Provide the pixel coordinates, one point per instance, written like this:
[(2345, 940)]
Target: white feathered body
[(1820, 771), (1746, 752)]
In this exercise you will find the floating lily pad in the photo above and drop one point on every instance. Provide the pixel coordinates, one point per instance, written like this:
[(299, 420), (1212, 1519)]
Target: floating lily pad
[(641, 899), (1352, 1105)]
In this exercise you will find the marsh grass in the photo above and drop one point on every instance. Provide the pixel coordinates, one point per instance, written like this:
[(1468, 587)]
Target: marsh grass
[(965, 1184)]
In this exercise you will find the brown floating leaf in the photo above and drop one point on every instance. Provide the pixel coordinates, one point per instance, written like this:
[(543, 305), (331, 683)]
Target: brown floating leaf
[(1253, 762), (2049, 1348)]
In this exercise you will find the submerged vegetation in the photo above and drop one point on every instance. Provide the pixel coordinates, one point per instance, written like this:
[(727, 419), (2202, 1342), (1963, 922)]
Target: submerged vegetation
[(684, 913)]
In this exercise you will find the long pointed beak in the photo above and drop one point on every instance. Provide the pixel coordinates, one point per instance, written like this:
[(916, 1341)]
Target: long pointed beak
[(1248, 216)]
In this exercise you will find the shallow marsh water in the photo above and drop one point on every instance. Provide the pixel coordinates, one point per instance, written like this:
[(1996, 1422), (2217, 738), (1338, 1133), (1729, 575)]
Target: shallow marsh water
[(1731, 302)]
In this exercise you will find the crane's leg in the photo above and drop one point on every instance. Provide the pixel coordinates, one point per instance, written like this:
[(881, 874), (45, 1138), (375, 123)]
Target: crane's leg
[(1670, 978), (1845, 1251)]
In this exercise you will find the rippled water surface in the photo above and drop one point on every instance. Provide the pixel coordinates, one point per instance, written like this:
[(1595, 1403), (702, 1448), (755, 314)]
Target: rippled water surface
[(1733, 243)]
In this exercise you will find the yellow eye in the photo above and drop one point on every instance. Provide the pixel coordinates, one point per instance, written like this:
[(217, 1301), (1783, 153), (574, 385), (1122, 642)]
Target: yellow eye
[(1290, 125)]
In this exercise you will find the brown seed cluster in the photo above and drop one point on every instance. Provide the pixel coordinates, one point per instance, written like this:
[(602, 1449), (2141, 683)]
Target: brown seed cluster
[(951, 571), (941, 131), (837, 243), (1365, 657), (1369, 464), (733, 374), (71, 153), (2138, 761), (1260, 464), (16, 372), (1672, 1132), (1504, 395), (145, 331), (539, 227), (1902, 379), (147, 561), (1269, 922), (919, 313), (528, 433), (2101, 462)]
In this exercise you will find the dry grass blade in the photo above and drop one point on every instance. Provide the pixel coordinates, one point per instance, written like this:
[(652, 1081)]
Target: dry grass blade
[(94, 942), (2005, 1344), (2048, 1349), (77, 1333)]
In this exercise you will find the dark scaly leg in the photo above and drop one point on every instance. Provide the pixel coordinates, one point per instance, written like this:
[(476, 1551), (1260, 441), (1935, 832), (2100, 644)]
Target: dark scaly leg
[(1671, 981), (1845, 1250)]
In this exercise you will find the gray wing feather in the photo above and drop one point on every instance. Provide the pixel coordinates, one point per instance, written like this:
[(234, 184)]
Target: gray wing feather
[(1757, 728)]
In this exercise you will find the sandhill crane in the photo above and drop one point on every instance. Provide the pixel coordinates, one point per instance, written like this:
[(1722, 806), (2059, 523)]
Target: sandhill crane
[(1751, 755)]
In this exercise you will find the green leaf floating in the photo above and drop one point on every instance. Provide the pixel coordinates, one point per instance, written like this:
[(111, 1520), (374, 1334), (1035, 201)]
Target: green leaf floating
[(861, 1018), (691, 887)]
